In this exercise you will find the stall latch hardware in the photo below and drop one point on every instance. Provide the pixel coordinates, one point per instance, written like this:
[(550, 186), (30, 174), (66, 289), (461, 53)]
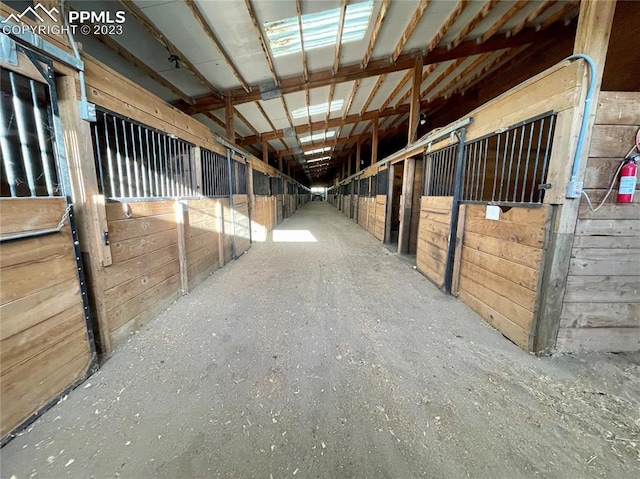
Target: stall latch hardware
[(545, 186), (105, 238)]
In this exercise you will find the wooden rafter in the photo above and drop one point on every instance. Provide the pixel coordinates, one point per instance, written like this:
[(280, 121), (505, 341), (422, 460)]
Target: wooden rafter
[(414, 104), (543, 7), (372, 94), (477, 18), (212, 36), (504, 18), (245, 121), (447, 71), (378, 67), (411, 26), (349, 102), (336, 57), (150, 27), (425, 74), (384, 8), (305, 70), (403, 81), (333, 122), (448, 23), (460, 77), (142, 66), (559, 14), (263, 43)]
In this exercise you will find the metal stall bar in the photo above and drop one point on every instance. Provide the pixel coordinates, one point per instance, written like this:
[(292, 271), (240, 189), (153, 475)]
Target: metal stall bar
[(457, 191)]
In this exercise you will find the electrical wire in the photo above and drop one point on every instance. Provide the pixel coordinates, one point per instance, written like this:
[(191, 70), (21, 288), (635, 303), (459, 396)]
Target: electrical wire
[(613, 182)]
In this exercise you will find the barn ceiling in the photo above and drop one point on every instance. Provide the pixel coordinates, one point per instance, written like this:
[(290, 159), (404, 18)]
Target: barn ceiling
[(310, 98)]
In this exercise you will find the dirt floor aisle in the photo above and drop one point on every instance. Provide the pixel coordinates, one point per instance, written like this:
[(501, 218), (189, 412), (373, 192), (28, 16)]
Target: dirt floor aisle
[(323, 355)]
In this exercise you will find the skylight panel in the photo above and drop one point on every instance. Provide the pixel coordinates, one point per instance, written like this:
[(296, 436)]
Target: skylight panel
[(319, 109), (318, 136), (318, 29), (319, 159), (317, 150)]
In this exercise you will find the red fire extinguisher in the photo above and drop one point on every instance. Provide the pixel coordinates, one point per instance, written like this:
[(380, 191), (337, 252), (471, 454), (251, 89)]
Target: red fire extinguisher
[(628, 179)]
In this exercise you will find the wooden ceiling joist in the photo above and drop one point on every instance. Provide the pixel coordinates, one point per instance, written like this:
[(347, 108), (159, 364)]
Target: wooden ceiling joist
[(133, 60), (448, 23), (543, 7), (468, 28), (504, 18), (411, 26), (212, 36), (305, 69), (336, 57), (378, 67), (150, 27), (384, 8), (263, 43)]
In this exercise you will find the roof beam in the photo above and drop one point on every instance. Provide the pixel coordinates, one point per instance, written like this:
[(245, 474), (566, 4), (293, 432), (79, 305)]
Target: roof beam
[(140, 65), (451, 19), (411, 26), (212, 36), (384, 8), (149, 26), (305, 70), (372, 95), (477, 18), (336, 58), (378, 67), (544, 6), (504, 18), (263, 43)]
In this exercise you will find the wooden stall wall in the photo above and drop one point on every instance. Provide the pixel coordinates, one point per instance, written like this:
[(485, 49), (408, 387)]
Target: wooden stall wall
[(280, 208), (204, 238), (380, 216), (262, 217), (601, 309), (145, 274), (501, 265), (433, 237), (415, 207), (44, 346)]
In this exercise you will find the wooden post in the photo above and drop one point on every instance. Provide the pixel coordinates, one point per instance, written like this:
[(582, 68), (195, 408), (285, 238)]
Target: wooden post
[(252, 198), (414, 113), (389, 208), (181, 213), (90, 216), (374, 141), (265, 152), (406, 201), (592, 38), (349, 164), (342, 176), (280, 165), (358, 151), (229, 119)]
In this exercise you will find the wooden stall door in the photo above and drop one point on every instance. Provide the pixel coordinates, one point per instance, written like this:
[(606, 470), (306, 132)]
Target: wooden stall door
[(434, 228), (45, 344), (501, 265)]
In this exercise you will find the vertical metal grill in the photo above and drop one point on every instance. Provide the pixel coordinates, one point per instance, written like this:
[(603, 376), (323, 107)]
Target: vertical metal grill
[(239, 177), (135, 161), (509, 166), (27, 166), (215, 174), (382, 182), (276, 185), (261, 184), (441, 179), (363, 189)]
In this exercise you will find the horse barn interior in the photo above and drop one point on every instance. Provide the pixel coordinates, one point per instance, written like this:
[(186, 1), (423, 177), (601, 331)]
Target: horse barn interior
[(148, 145)]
